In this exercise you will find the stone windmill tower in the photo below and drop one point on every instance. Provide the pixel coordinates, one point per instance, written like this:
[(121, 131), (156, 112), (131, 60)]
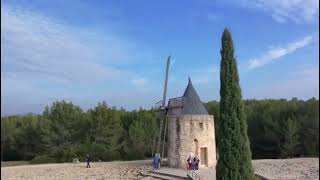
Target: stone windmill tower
[(189, 126), (190, 130)]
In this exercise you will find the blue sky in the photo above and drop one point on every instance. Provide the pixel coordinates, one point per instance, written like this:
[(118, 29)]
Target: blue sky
[(90, 51)]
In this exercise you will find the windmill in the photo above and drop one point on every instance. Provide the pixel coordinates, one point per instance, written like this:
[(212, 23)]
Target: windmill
[(161, 113)]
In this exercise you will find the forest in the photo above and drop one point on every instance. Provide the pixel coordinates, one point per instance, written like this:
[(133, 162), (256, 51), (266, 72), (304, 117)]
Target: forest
[(276, 129)]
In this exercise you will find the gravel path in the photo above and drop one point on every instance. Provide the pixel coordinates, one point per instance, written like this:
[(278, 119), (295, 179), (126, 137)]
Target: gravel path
[(301, 169)]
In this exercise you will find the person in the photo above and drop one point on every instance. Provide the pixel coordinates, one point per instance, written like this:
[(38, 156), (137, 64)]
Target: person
[(197, 163), (154, 161), (159, 161), (88, 161), (189, 162), (194, 163)]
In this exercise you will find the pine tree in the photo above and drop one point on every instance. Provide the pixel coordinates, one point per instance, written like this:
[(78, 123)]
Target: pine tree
[(234, 149)]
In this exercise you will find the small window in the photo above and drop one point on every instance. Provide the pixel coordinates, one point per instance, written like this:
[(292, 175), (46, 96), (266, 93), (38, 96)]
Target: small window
[(201, 126)]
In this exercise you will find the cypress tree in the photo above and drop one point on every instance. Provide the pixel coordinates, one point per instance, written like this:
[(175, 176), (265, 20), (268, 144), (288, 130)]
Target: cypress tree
[(234, 149)]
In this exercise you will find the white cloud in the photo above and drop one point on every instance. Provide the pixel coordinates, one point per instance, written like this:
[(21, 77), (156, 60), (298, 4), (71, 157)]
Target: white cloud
[(279, 19), (303, 83), (40, 47), (44, 59), (213, 17), (139, 82), (283, 11), (205, 75), (278, 52)]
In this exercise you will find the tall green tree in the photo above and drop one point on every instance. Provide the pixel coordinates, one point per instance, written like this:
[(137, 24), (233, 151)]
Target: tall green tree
[(105, 132), (291, 139), (234, 148), (62, 131)]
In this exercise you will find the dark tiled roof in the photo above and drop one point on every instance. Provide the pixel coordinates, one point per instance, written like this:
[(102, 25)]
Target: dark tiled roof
[(192, 103)]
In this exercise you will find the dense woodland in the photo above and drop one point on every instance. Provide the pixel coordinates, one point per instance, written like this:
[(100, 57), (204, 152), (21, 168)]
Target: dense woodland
[(279, 128), (276, 129)]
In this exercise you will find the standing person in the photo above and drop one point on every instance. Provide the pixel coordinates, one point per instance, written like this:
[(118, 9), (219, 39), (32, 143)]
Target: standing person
[(159, 161), (197, 163), (193, 165), (189, 162), (154, 161), (88, 161)]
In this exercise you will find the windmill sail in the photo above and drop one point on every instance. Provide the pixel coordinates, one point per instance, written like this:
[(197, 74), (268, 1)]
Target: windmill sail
[(166, 83), (162, 114)]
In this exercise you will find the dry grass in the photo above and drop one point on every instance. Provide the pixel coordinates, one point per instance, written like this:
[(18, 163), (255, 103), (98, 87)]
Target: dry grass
[(14, 163)]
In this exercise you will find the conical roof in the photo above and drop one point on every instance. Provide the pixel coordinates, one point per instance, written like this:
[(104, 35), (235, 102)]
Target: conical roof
[(192, 103)]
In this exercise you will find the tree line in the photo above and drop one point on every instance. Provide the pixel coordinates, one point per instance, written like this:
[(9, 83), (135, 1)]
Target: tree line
[(276, 129), (279, 128), (64, 131)]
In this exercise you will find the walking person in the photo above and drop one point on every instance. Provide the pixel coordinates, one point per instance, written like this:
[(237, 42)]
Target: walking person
[(197, 162), (189, 162), (88, 161), (193, 165), (154, 161), (159, 161)]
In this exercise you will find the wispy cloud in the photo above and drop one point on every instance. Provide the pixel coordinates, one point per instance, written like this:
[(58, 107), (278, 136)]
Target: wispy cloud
[(205, 75), (213, 17), (139, 82), (282, 11), (44, 59), (303, 83), (37, 46), (278, 52)]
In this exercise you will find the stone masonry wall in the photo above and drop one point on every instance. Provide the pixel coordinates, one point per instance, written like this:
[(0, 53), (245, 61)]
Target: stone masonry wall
[(182, 133)]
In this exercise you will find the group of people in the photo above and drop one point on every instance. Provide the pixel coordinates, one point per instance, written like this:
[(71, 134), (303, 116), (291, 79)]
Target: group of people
[(193, 163), (156, 162)]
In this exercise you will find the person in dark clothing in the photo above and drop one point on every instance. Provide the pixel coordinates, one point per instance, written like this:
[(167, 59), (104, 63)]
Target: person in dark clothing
[(159, 161), (194, 163), (154, 163), (197, 163), (189, 163), (88, 161)]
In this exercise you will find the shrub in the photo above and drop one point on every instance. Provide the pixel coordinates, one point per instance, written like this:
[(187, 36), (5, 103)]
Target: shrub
[(41, 159), (135, 152)]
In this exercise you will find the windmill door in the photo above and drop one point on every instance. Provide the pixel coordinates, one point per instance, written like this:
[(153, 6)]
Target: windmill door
[(204, 156)]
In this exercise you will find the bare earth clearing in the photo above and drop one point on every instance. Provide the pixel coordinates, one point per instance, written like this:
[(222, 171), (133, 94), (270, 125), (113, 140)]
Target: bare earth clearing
[(98, 170), (302, 168)]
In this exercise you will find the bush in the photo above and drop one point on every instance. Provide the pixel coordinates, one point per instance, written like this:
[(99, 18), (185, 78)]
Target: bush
[(135, 152), (111, 156), (41, 159)]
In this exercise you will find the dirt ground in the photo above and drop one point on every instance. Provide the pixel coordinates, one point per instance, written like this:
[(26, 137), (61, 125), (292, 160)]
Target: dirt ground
[(301, 168), (98, 170)]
